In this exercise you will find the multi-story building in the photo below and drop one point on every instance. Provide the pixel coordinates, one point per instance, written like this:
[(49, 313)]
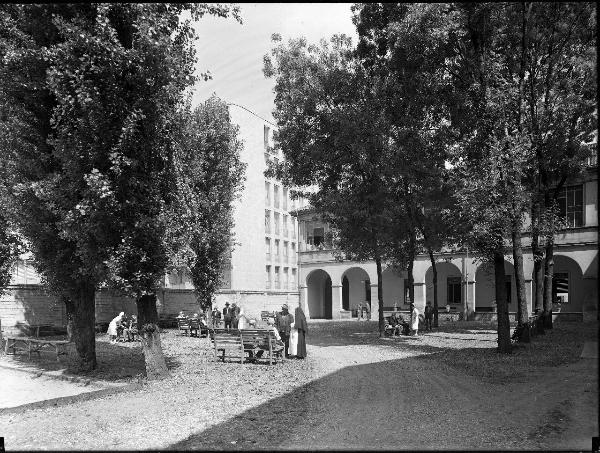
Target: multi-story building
[(332, 289)]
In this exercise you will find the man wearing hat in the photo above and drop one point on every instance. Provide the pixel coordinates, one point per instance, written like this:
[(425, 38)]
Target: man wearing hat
[(283, 322), (227, 315)]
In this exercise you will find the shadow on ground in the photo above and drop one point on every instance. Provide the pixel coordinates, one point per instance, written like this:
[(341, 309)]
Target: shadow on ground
[(116, 362)]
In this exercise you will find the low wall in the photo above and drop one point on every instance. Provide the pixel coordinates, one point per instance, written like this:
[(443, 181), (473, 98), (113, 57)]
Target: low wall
[(26, 305)]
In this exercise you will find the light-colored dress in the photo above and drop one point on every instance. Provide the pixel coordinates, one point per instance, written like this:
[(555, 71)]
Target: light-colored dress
[(293, 348), (414, 321), (112, 327)]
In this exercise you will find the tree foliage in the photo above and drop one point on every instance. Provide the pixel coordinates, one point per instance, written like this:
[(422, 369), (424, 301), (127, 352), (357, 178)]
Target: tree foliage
[(211, 177)]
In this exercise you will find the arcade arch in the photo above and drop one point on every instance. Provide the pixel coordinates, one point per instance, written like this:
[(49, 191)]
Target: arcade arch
[(567, 283), (356, 288), (449, 285), (486, 292), (318, 284)]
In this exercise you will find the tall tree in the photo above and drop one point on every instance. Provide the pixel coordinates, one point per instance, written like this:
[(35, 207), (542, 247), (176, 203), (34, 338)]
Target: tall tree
[(211, 178), (92, 96), (331, 129), (560, 111)]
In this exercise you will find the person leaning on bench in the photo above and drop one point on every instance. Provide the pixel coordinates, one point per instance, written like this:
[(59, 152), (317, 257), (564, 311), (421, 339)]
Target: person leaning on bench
[(227, 315)]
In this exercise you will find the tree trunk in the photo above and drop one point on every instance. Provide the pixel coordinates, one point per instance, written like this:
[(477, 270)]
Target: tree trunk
[(504, 345), (435, 292), (156, 365), (522, 311), (84, 325), (380, 297), (538, 262), (70, 312), (411, 263), (548, 275)]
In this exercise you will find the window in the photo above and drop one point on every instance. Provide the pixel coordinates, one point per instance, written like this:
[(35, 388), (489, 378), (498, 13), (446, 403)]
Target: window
[(318, 236), (293, 279), (285, 251), (267, 159), (285, 278), (268, 194), (570, 205), (285, 199), (277, 277), (268, 277), (268, 248), (508, 286), (276, 195), (277, 248), (560, 287), (266, 133), (293, 228), (454, 290), (592, 159), (276, 215), (285, 225), (293, 253), (267, 221)]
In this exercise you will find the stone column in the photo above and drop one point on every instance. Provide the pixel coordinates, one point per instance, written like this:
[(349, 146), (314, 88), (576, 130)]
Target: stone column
[(303, 290), (529, 295), (374, 303), (336, 301)]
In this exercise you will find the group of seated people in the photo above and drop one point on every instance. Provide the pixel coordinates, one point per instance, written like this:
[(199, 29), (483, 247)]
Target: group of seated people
[(123, 328), (397, 325)]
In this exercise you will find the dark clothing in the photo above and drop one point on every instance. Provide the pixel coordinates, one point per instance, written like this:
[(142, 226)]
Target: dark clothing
[(428, 312), (428, 317), (284, 323), (302, 327), (227, 316), (235, 316)]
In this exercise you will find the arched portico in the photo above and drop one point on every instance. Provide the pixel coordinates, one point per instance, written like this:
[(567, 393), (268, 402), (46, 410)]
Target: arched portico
[(567, 284), (449, 285), (318, 293), (486, 289), (358, 291)]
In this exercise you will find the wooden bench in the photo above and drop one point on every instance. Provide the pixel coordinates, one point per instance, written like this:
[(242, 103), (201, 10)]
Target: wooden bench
[(255, 340), (29, 345), (183, 324), (227, 343), (197, 329)]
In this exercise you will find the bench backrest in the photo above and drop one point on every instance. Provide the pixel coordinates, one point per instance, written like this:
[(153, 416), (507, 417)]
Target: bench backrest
[(226, 340), (265, 315), (256, 335), (183, 323)]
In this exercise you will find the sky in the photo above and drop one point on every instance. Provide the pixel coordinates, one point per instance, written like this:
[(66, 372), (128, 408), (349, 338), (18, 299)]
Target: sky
[(233, 52)]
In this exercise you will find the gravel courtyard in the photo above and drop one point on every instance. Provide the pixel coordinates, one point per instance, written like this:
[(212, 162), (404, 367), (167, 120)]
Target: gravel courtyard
[(447, 389)]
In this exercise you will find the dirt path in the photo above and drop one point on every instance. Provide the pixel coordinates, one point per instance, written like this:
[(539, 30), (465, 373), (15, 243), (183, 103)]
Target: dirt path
[(423, 407), (352, 392)]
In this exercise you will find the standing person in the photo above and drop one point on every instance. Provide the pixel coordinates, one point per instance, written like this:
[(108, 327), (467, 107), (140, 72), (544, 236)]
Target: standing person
[(428, 315), (113, 326), (227, 315), (235, 315), (359, 311), (301, 327), (283, 322), (215, 317), (414, 320)]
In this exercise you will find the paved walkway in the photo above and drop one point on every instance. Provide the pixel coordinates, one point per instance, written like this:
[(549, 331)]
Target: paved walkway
[(20, 387)]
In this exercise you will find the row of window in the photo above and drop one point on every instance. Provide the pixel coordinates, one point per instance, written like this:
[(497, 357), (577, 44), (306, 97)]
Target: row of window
[(287, 282), (560, 288), (284, 224), (280, 197), (288, 249)]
